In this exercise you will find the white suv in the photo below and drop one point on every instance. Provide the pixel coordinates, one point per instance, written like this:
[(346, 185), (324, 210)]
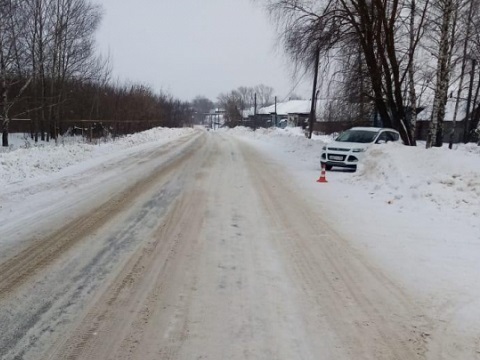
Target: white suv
[(348, 147)]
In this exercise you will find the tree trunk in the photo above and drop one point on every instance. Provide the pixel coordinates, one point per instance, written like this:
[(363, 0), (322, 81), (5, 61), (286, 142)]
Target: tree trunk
[(474, 117), (462, 75), (4, 101), (411, 76), (5, 133), (435, 135), (314, 96)]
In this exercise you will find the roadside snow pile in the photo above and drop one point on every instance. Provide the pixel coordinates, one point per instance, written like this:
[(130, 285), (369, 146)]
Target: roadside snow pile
[(263, 133), (152, 135), (290, 140), (447, 178), (442, 178), (36, 161), (473, 148), (238, 130)]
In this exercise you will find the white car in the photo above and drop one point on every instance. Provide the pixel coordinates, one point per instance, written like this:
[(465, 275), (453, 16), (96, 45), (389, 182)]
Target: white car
[(348, 148)]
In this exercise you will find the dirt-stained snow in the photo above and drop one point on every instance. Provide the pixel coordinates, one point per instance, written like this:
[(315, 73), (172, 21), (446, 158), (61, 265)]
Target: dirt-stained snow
[(181, 244)]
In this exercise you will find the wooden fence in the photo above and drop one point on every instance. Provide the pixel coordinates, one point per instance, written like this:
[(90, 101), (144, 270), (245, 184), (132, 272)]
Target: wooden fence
[(89, 128)]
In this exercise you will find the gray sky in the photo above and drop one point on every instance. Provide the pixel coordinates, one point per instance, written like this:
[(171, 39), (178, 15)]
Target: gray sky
[(194, 47)]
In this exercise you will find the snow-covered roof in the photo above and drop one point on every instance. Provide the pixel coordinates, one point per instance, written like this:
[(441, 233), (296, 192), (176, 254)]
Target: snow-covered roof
[(426, 114), (303, 107), (288, 107)]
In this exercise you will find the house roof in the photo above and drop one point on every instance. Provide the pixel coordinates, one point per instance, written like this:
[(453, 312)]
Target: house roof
[(287, 107), (426, 114)]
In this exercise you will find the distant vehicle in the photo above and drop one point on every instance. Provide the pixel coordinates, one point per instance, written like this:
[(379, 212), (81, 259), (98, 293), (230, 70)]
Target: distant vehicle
[(348, 148), (282, 123)]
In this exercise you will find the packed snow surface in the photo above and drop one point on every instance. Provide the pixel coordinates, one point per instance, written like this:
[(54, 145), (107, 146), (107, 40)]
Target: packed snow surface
[(415, 212)]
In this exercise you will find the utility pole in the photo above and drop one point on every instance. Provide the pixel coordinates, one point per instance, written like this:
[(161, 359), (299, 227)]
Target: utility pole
[(275, 119), (255, 113), (314, 95)]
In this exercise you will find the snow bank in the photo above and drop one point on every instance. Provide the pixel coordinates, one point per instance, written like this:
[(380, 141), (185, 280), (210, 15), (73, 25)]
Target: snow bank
[(446, 178), (37, 160), (290, 140), (442, 177)]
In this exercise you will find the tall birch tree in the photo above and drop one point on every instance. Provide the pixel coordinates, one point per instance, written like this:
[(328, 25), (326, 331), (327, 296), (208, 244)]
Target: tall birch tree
[(11, 61), (448, 15)]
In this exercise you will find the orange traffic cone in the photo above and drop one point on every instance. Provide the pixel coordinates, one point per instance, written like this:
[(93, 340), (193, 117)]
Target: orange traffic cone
[(323, 177)]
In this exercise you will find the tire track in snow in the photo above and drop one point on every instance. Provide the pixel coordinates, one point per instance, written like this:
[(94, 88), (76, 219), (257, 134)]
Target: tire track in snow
[(32, 264)]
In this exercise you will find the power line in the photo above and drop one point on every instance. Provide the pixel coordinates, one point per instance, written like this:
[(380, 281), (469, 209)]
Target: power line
[(295, 86)]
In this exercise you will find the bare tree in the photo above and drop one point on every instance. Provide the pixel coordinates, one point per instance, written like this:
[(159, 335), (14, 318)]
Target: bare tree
[(60, 43), (49, 70), (416, 28), (201, 106), (264, 95), (72, 52), (375, 25), (11, 61), (233, 105), (472, 120), (464, 58), (247, 95), (448, 10)]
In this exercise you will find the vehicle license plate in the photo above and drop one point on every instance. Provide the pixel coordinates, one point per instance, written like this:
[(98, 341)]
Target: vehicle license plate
[(336, 157)]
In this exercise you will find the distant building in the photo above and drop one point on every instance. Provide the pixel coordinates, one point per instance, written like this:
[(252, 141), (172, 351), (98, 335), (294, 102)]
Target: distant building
[(215, 118), (425, 116), (288, 113)]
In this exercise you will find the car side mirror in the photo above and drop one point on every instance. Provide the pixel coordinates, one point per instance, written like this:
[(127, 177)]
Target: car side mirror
[(381, 141)]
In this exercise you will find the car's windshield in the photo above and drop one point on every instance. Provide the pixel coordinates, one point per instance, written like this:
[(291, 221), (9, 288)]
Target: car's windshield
[(358, 136)]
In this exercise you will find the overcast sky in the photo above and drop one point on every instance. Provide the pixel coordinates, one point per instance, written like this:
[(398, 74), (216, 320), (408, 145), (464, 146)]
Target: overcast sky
[(194, 47)]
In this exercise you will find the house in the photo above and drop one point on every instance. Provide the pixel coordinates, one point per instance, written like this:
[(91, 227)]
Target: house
[(424, 117), (288, 113), (295, 112), (215, 118)]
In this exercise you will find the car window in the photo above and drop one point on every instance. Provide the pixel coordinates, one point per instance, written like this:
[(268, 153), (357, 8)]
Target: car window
[(382, 137), (387, 136), (392, 136), (358, 136)]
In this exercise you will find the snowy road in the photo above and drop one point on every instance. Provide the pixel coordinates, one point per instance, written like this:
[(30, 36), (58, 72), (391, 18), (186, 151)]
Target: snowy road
[(198, 249)]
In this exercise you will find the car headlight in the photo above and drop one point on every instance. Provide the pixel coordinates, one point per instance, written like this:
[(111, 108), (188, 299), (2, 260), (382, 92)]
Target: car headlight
[(358, 150)]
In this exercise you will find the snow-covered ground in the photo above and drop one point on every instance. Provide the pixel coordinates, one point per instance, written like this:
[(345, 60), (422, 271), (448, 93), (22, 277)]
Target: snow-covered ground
[(24, 160), (415, 212), (37, 178)]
